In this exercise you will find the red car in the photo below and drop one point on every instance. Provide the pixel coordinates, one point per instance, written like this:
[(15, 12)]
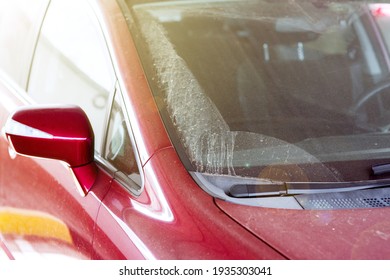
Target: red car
[(134, 129)]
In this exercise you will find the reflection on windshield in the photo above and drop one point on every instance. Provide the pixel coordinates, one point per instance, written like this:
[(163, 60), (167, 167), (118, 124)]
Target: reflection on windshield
[(270, 89), (381, 13)]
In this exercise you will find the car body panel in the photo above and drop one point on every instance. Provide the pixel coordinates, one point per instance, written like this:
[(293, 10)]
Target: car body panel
[(323, 234), (174, 219), (35, 234)]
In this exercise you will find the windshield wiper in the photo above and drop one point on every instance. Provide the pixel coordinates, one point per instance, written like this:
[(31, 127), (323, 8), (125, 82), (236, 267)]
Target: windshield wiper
[(380, 169), (249, 190), (282, 189)]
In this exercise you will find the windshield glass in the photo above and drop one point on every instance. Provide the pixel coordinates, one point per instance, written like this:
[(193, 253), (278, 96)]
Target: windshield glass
[(381, 13), (295, 91)]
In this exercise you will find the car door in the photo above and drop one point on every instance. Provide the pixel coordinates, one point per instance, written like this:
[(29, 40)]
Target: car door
[(120, 156), (42, 213)]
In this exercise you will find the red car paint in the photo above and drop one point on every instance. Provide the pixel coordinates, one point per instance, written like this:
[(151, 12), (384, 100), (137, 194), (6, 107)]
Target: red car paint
[(335, 235)]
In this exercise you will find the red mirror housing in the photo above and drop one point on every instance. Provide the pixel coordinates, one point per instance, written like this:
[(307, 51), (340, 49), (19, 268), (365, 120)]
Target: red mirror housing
[(61, 132)]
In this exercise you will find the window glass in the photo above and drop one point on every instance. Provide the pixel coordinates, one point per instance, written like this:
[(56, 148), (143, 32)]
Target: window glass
[(118, 149), (72, 64), (381, 13), (19, 25), (277, 90)]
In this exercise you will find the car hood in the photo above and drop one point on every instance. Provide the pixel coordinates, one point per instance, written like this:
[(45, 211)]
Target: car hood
[(318, 234)]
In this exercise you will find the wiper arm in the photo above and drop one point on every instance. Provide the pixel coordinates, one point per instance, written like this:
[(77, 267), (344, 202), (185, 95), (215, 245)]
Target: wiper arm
[(381, 169), (280, 189), (249, 190)]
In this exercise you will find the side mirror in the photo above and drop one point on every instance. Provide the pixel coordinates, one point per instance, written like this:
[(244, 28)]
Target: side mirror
[(62, 133)]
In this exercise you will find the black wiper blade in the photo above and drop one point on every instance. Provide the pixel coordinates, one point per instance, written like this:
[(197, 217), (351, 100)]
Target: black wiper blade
[(380, 169), (249, 190), (296, 188), (329, 187)]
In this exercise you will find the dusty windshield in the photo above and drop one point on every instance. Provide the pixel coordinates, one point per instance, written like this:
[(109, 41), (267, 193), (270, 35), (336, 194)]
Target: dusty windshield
[(279, 90)]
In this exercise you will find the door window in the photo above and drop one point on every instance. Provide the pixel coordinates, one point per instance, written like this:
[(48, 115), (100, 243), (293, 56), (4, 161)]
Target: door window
[(72, 63), (119, 149), (19, 26)]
